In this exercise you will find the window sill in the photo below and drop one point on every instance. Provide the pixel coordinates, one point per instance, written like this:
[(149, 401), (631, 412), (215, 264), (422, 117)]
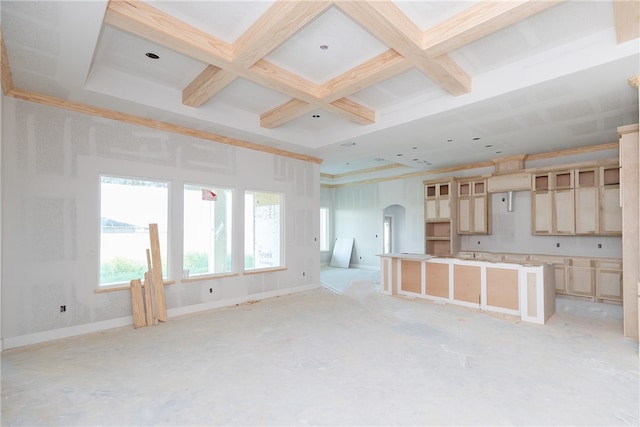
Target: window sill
[(123, 287), (263, 270), (208, 277)]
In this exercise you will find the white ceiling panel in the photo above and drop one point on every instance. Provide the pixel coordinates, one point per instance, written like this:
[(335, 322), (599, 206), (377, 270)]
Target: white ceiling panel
[(347, 45), (249, 96), (127, 53), (225, 20)]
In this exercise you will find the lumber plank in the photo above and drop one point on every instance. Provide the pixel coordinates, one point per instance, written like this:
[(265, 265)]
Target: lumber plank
[(156, 273), (137, 304)]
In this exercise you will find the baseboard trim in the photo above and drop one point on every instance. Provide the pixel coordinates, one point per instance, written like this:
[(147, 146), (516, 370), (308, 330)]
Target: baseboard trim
[(87, 328)]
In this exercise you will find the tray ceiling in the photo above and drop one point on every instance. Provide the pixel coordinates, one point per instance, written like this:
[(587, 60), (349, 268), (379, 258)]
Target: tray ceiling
[(398, 86)]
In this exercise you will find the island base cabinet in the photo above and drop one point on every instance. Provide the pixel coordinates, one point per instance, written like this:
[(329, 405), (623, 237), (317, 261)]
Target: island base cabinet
[(526, 291)]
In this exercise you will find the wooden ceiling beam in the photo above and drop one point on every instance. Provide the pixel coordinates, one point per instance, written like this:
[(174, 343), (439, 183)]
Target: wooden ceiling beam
[(5, 68), (627, 16), (211, 81), (394, 28), (280, 22), (285, 113), (274, 27), (479, 21), (375, 70)]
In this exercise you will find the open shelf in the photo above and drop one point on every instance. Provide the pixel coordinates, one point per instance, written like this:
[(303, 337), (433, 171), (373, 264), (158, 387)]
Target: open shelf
[(438, 229), (438, 247), (611, 176), (587, 178), (563, 180), (542, 182)]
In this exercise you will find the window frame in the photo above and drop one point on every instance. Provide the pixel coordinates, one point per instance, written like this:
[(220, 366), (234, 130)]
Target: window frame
[(166, 263), (281, 247), (232, 234)]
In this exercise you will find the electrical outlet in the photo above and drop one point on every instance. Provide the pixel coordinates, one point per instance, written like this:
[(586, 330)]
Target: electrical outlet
[(304, 274), (557, 245), (63, 308), (210, 290), (599, 245)]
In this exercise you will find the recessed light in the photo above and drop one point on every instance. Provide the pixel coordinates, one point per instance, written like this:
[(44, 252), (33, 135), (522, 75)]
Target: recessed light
[(414, 148), (449, 140), (399, 154), (488, 146), (498, 152), (476, 138), (151, 55)]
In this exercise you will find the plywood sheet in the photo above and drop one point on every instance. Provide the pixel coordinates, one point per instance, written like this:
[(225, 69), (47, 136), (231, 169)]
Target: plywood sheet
[(502, 288), (341, 256), (437, 280), (466, 283), (411, 276)]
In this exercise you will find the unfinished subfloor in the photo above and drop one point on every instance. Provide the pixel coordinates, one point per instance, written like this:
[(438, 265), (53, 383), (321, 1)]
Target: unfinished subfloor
[(321, 358)]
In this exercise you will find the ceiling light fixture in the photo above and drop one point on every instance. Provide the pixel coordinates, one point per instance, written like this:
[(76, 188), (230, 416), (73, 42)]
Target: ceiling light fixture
[(449, 140), (152, 55)]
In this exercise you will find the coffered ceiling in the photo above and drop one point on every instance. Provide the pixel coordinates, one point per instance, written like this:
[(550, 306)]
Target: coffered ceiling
[(371, 88)]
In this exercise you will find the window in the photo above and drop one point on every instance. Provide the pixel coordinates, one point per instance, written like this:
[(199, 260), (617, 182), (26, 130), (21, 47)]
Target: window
[(324, 229), (207, 230), (127, 207), (262, 230)]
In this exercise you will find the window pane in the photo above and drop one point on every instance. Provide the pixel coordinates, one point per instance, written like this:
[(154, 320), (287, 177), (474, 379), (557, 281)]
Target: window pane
[(127, 207), (324, 229), (207, 230), (263, 230)]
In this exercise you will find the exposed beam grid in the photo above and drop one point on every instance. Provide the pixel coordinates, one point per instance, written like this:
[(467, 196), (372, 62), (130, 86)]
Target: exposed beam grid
[(145, 21), (389, 24)]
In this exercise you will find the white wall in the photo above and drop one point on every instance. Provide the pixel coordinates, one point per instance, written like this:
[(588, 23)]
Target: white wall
[(51, 161), (359, 208)]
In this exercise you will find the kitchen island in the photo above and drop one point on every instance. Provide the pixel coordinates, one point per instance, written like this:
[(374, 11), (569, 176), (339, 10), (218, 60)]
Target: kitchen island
[(525, 290)]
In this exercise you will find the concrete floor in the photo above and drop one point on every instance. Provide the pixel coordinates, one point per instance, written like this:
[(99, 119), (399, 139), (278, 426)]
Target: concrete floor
[(326, 358)]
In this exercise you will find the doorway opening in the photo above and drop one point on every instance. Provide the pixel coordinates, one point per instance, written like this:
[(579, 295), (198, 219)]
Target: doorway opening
[(393, 229)]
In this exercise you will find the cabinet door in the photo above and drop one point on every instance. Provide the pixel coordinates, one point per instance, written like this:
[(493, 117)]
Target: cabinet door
[(611, 212), (586, 210), (480, 215), (541, 212), (580, 281), (564, 211), (464, 215), (609, 284), (431, 209), (444, 210), (560, 276)]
